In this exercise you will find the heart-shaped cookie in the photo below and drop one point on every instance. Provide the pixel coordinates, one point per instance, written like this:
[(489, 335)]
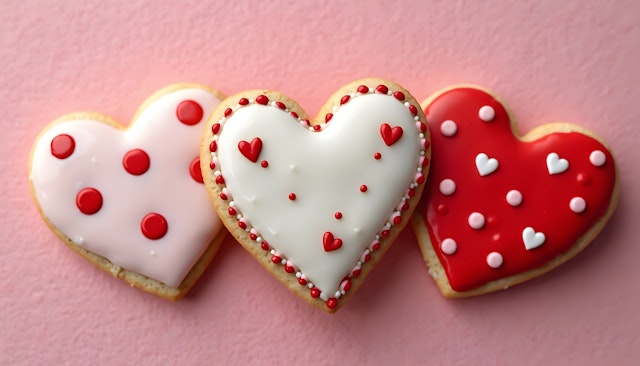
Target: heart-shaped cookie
[(131, 199), (500, 209), (317, 202)]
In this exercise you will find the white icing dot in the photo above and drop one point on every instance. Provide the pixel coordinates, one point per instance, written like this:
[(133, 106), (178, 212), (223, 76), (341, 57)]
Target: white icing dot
[(357, 230), (476, 220), (448, 128), (577, 204), (152, 253), (487, 113), (448, 246), (514, 198), (494, 259), (597, 158), (324, 296), (447, 187), (406, 104), (78, 240)]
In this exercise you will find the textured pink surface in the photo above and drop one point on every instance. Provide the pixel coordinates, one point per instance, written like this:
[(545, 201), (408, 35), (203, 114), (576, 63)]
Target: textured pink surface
[(572, 61)]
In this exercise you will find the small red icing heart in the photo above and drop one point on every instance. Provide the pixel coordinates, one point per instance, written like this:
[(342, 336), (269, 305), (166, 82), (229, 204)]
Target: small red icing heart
[(499, 209), (251, 150), (331, 244), (390, 134)]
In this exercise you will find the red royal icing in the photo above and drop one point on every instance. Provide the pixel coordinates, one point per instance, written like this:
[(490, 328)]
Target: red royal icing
[(89, 200), (330, 243), (154, 226), (189, 112), (251, 150), (390, 135), (136, 162), (510, 226), (62, 146)]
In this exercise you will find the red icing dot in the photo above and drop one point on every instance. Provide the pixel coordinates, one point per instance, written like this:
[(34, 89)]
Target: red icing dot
[(232, 211), (264, 163), (332, 303), (242, 225), (264, 245), (281, 105), (315, 293), (194, 170), (377, 156), (154, 226), (317, 127), (213, 146), (89, 201), (344, 99), (276, 259), (355, 273), (223, 197), (413, 109), (253, 236), (338, 215), (62, 146), (397, 220), (289, 269), (294, 114), (189, 112), (385, 233), (441, 209), (363, 188), (227, 113), (212, 165), (136, 162), (363, 89), (243, 101), (292, 196), (215, 128), (219, 179), (302, 281), (583, 179)]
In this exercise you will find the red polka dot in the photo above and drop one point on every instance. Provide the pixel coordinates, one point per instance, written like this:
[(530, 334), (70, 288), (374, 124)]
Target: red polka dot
[(441, 209), (377, 156), (136, 162), (154, 226), (62, 146), (363, 188), (338, 215), (89, 201), (264, 163), (292, 196), (194, 170), (189, 112)]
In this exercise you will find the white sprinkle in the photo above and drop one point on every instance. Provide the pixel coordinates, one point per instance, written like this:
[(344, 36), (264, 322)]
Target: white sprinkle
[(577, 204), (447, 187), (514, 198), (476, 220), (448, 128), (597, 158), (487, 113), (494, 259), (449, 246)]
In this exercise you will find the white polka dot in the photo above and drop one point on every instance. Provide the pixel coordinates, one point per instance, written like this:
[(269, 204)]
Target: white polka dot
[(577, 204), (476, 220), (448, 128), (494, 259), (487, 113), (597, 158), (447, 187), (449, 246), (514, 198)]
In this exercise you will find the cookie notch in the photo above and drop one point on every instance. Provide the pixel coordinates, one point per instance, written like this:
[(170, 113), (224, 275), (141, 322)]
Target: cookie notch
[(254, 151), (464, 111), (198, 101)]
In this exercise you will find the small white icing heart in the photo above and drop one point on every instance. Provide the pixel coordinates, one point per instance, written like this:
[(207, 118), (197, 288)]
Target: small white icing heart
[(486, 165), (532, 239), (556, 165)]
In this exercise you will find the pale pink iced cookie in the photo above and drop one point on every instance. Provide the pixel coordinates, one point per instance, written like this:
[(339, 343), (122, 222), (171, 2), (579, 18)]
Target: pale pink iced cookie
[(317, 202), (131, 199), (500, 209)]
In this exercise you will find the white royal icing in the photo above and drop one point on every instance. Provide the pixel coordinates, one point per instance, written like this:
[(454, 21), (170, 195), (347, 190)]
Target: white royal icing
[(166, 188), (329, 168)]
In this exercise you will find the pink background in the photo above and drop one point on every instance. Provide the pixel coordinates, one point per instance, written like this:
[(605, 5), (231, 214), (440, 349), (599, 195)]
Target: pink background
[(575, 61)]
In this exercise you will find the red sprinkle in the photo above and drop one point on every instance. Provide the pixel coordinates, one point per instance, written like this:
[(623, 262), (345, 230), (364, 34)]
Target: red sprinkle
[(281, 105), (302, 281), (213, 146), (382, 89), (264, 245), (219, 179), (315, 293), (289, 269), (398, 95), (411, 193), (264, 163), (332, 303), (423, 127), (253, 236), (338, 215), (328, 117), (294, 114), (385, 233), (232, 211), (377, 156), (363, 188), (344, 99), (405, 206), (243, 101), (413, 109), (347, 285), (227, 113), (397, 220), (317, 127), (276, 259), (262, 99), (375, 246), (425, 161), (242, 225), (363, 89), (420, 179), (356, 272), (215, 128), (292, 196), (223, 196)]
